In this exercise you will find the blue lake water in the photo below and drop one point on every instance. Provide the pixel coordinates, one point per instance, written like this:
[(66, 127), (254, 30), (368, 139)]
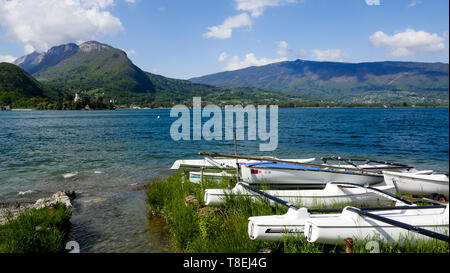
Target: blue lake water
[(112, 153)]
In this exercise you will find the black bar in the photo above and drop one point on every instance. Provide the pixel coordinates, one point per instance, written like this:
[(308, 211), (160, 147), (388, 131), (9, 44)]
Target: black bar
[(419, 230), (273, 198)]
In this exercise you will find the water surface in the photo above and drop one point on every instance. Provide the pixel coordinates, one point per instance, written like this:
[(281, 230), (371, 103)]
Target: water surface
[(108, 155)]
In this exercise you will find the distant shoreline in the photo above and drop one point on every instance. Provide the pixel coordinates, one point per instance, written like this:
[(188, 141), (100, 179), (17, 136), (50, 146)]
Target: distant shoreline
[(300, 107)]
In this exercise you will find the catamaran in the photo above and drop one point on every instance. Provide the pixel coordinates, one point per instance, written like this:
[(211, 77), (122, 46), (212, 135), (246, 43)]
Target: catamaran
[(285, 173), (332, 194)]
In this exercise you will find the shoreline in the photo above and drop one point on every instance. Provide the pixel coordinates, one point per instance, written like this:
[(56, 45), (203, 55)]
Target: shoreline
[(300, 107)]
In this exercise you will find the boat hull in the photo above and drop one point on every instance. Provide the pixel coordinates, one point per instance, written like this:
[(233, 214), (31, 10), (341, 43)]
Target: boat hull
[(196, 177), (416, 184), (334, 230), (329, 196), (278, 227), (304, 177)]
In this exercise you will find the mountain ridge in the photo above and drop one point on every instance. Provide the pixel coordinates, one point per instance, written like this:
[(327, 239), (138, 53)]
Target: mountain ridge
[(90, 65), (336, 80), (18, 88), (101, 70)]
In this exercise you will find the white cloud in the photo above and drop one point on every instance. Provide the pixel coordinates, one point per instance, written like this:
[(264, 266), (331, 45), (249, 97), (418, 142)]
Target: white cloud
[(225, 30), (253, 7), (373, 2), (256, 7), (409, 42), (330, 55), (251, 60), (414, 3), (301, 53), (7, 58), (28, 49), (223, 56), (283, 49), (130, 52), (100, 4), (45, 23)]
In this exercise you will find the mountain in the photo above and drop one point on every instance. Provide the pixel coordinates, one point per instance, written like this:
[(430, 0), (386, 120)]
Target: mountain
[(100, 70), (342, 81), (18, 88), (87, 67), (104, 73)]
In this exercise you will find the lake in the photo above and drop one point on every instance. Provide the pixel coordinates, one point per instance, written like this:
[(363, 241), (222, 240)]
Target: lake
[(108, 155)]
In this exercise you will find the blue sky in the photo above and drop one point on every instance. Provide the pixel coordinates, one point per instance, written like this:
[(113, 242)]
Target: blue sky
[(184, 39)]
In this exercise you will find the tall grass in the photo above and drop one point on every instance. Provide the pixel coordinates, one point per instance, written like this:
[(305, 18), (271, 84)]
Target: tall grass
[(195, 228), (36, 231)]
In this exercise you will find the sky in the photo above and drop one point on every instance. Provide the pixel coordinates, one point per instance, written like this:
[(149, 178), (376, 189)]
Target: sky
[(190, 38)]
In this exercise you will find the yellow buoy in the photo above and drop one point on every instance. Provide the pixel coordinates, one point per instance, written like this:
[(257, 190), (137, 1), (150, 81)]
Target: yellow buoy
[(159, 117)]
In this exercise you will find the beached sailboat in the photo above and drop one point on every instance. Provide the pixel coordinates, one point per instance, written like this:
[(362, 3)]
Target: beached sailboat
[(332, 194), (422, 183)]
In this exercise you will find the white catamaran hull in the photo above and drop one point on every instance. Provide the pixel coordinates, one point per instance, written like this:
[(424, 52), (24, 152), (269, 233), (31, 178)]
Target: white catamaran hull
[(277, 227), (305, 177), (331, 195), (196, 177), (222, 163), (334, 230), (419, 184)]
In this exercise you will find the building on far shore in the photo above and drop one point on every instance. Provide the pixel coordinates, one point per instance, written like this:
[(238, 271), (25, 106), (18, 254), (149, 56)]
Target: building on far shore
[(77, 97), (5, 108)]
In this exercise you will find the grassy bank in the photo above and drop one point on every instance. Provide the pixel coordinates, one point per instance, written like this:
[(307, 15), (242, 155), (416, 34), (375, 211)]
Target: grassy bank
[(194, 228), (36, 231)]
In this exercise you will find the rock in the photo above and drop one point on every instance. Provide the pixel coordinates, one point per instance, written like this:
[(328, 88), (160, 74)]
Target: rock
[(265, 250), (190, 200), (15, 209), (59, 197)]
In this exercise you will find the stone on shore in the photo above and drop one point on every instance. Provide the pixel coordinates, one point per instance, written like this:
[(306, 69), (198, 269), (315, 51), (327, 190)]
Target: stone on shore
[(14, 210)]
